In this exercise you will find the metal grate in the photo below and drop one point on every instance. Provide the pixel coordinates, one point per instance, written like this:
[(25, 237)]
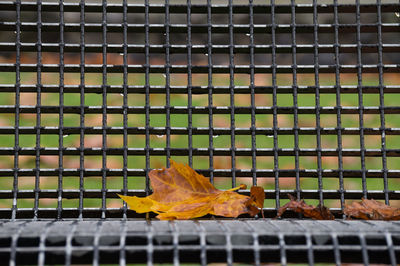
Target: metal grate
[(299, 98), (251, 242)]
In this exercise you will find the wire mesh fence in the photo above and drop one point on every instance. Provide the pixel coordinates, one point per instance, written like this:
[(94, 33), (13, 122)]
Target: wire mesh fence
[(299, 98)]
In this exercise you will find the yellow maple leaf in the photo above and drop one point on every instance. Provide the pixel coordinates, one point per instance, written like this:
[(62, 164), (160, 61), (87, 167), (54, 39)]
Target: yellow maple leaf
[(181, 193)]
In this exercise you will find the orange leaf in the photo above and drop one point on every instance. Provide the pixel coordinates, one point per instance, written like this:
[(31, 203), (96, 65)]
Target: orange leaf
[(257, 194), (317, 213), (371, 210), (181, 193)]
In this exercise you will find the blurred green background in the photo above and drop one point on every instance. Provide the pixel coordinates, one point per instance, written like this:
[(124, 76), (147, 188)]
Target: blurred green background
[(199, 141)]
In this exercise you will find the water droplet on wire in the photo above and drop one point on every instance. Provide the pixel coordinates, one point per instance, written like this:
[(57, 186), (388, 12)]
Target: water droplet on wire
[(270, 136), (247, 34), (160, 136), (121, 94), (397, 14), (64, 136), (216, 136), (165, 76), (206, 54), (121, 54)]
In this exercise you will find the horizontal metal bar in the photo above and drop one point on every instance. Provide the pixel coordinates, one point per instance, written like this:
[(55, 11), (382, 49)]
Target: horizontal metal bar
[(323, 89), (73, 213), (202, 28), (199, 109), (261, 173), (195, 8), (67, 151), (109, 249), (343, 230), (197, 131), (216, 69), (202, 49), (270, 194)]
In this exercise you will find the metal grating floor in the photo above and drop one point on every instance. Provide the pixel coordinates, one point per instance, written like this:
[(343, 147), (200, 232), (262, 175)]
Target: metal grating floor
[(203, 241)]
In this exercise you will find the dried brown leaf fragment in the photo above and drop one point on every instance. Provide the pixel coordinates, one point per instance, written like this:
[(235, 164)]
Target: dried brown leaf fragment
[(371, 210), (316, 213)]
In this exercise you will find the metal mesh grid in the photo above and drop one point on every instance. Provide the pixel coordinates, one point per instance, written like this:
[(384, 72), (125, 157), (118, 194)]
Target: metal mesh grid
[(203, 242), (203, 83), (298, 98)]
